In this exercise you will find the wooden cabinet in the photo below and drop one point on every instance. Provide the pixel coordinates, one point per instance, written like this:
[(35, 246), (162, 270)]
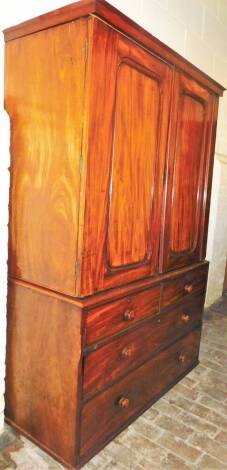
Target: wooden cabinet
[(112, 146)]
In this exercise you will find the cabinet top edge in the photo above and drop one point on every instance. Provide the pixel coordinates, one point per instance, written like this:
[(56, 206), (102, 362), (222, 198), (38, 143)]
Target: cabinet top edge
[(104, 11)]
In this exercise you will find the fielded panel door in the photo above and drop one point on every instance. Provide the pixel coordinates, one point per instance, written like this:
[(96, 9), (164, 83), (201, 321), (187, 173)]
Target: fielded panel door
[(127, 140), (190, 157)]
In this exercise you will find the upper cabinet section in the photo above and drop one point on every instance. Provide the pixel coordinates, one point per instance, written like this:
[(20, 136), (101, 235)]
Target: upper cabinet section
[(127, 145), (187, 173), (112, 144)]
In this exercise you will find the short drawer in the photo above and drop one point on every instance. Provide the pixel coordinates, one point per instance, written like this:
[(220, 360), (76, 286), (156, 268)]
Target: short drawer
[(121, 314), (110, 411), (190, 283), (115, 358)]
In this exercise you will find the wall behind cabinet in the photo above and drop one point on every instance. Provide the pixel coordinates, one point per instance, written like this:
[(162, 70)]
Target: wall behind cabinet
[(197, 30)]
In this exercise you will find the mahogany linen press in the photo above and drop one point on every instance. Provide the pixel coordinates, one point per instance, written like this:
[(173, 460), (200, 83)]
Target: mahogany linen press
[(112, 148)]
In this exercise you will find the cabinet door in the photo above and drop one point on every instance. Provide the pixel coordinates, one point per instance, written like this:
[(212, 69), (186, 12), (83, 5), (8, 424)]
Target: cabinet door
[(127, 140), (190, 157)]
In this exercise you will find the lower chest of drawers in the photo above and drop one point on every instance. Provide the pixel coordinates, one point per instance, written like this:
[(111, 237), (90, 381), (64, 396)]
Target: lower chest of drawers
[(114, 408), (133, 355), (95, 365), (110, 359)]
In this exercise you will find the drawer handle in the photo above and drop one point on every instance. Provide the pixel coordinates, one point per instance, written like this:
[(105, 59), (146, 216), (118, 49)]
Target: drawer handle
[(182, 358), (185, 317), (126, 353), (188, 288), (123, 403), (129, 315)]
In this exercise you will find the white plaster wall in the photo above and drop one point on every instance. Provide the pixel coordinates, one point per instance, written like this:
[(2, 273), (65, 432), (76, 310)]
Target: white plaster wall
[(197, 29), (217, 239)]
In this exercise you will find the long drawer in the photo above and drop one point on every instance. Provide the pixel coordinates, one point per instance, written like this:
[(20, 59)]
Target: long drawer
[(114, 359), (121, 314), (110, 411), (180, 288)]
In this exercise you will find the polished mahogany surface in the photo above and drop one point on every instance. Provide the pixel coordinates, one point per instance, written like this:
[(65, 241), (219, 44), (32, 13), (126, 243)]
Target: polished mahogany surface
[(44, 97), (118, 199), (123, 206), (121, 314), (103, 415), (43, 365), (107, 362), (112, 148), (134, 161), (187, 167), (178, 289), (107, 12)]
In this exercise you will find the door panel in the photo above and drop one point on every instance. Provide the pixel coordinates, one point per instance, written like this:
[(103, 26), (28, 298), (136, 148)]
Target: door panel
[(133, 168), (187, 162), (189, 144), (127, 140)]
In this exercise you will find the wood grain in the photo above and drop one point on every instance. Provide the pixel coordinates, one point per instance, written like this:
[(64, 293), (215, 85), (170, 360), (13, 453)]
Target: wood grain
[(42, 368), (102, 416), (119, 21), (183, 227), (112, 233), (96, 148), (209, 175), (187, 172), (44, 96), (111, 318), (181, 288), (135, 143), (117, 357), (112, 147)]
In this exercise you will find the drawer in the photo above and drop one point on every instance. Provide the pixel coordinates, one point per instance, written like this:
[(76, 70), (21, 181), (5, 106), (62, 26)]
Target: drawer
[(121, 314), (110, 411), (190, 283), (114, 359)]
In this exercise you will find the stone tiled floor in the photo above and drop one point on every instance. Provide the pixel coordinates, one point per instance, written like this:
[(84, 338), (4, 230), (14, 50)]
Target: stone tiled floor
[(186, 429)]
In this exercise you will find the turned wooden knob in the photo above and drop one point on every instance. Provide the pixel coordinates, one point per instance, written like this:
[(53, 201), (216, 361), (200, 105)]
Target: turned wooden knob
[(185, 317), (123, 403), (182, 358), (188, 288), (126, 353), (129, 315)]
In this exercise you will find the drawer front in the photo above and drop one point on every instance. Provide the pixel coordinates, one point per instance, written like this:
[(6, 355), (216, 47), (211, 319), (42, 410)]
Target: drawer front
[(192, 283), (106, 414), (112, 360), (122, 314)]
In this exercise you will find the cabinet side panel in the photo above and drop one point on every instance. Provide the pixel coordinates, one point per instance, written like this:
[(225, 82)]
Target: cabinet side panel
[(43, 361), (44, 96)]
